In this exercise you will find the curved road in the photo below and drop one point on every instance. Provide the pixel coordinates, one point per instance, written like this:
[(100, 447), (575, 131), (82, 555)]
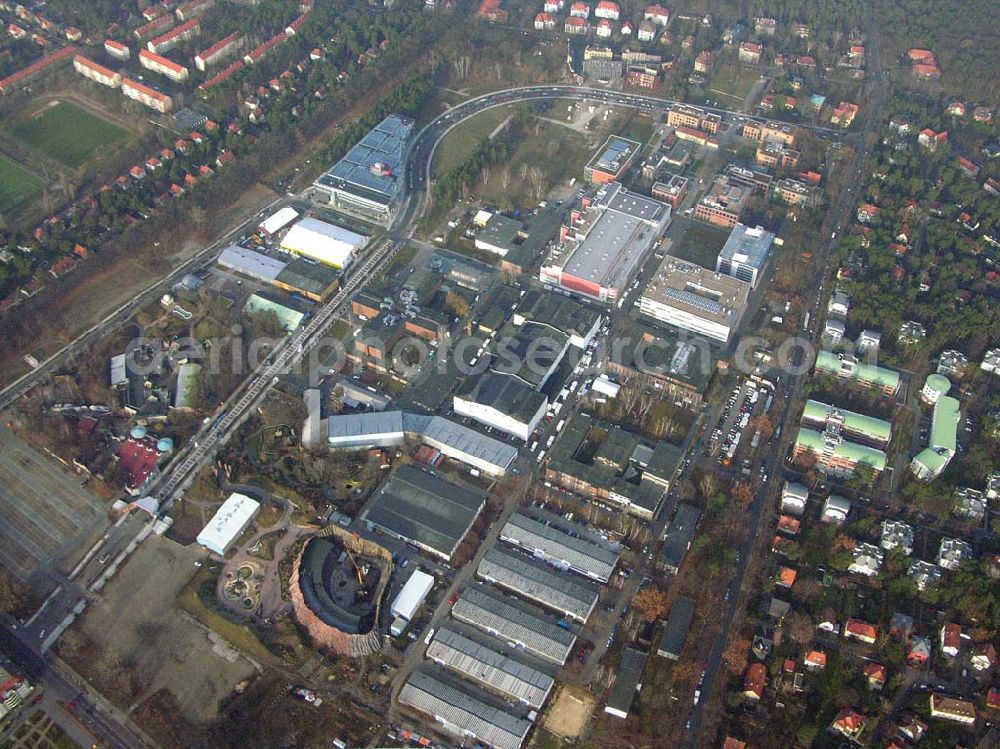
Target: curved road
[(418, 158)]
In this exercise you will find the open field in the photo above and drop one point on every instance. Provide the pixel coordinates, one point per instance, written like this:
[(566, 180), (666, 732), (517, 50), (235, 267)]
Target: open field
[(457, 146), (558, 151), (700, 244), (44, 512), (17, 184), (137, 623), (67, 132), (734, 82)]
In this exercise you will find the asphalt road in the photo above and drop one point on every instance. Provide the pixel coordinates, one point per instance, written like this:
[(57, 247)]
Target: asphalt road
[(202, 448), (838, 219)]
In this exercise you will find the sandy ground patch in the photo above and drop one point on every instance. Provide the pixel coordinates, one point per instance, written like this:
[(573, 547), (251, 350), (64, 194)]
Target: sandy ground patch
[(569, 712), (138, 621)]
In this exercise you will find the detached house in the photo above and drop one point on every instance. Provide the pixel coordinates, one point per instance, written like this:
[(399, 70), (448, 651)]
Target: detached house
[(848, 723), (951, 639), (860, 630)]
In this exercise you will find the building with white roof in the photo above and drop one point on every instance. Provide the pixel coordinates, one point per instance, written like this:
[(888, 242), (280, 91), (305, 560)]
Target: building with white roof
[(866, 559), (835, 509), (897, 535), (278, 220), (328, 243), (952, 552), (412, 595), (794, 498), (228, 523), (691, 298)]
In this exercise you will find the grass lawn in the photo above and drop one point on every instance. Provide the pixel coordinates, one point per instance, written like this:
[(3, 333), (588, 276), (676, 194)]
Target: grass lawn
[(68, 133), (734, 82), (17, 184), (457, 146), (700, 244)]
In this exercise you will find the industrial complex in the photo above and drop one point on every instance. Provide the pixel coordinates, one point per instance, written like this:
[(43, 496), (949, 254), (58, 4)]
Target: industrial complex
[(605, 243)]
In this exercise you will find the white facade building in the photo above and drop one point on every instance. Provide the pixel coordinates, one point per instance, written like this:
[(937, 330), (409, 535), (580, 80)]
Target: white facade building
[(228, 523)]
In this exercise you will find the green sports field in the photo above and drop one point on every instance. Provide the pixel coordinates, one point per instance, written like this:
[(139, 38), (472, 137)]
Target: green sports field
[(17, 184), (68, 133)]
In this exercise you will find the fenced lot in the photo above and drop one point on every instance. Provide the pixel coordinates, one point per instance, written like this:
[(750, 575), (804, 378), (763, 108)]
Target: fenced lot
[(44, 512), (67, 132)]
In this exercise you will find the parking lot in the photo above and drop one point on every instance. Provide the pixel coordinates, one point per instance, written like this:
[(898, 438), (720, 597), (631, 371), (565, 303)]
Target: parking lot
[(733, 436), (45, 514)]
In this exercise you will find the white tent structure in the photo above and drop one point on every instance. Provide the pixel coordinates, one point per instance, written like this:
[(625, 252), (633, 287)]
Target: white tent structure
[(228, 523), (278, 220), (329, 244)]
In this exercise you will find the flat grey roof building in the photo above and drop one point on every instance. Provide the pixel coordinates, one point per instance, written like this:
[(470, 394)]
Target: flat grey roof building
[(364, 430), (515, 622), (471, 657), (391, 427), (587, 557), (464, 710), (605, 246), (675, 629), (250, 263), (460, 442), (432, 513), (678, 536), (538, 582)]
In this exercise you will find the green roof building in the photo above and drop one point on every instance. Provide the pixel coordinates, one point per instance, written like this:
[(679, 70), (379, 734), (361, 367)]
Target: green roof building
[(836, 455), (848, 367), (868, 428), (288, 317), (930, 462)]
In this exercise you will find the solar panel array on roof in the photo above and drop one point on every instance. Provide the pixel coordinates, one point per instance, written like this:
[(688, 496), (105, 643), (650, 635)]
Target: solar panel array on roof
[(581, 555), (522, 624), (538, 582), (372, 166), (491, 724), (487, 665)]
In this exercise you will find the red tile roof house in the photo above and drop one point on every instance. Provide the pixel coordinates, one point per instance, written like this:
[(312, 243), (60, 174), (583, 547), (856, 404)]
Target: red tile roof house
[(859, 630), (138, 458), (62, 266), (814, 660), (929, 139), (876, 674), (967, 166), (993, 698), (754, 682), (848, 723)]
